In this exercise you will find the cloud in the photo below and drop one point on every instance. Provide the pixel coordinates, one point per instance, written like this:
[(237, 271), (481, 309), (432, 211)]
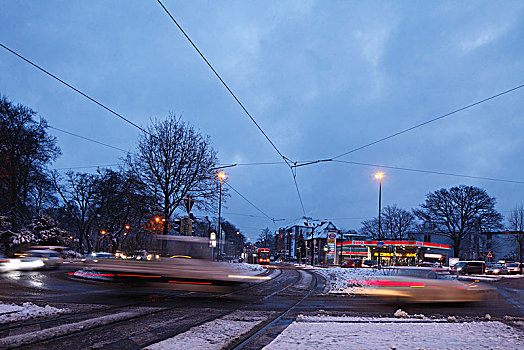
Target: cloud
[(373, 44), (482, 38)]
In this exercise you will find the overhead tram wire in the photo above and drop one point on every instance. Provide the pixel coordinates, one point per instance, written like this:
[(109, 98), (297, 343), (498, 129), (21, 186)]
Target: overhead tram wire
[(430, 172), (222, 81), (76, 90), (87, 138), (287, 160), (251, 203), (426, 122), (88, 167)]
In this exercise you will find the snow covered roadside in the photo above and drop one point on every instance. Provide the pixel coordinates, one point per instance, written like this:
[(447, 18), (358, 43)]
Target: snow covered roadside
[(246, 267), (54, 332), (216, 334), (13, 313), (337, 279), (396, 333), (91, 275)]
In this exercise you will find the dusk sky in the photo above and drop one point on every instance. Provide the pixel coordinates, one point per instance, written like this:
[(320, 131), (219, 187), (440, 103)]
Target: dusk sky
[(321, 78)]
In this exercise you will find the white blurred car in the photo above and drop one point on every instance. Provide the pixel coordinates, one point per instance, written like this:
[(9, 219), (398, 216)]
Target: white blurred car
[(36, 260), (4, 263)]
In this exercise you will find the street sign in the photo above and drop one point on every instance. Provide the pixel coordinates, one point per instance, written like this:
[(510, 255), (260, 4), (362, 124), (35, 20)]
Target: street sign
[(380, 244), (188, 203), (489, 255)]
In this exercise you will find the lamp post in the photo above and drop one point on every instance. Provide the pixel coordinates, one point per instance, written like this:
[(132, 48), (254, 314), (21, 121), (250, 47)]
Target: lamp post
[(379, 176), (221, 176)]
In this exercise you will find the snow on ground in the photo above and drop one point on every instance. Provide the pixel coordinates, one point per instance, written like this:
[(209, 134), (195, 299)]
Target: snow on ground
[(216, 334), (338, 279), (92, 275), (347, 281), (18, 340), (247, 267), (321, 332), (12, 312)]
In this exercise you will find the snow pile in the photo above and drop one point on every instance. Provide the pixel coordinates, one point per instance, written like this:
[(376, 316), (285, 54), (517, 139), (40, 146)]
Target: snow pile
[(12, 312), (379, 333), (216, 334), (401, 314), (346, 281), (92, 275), (247, 267)]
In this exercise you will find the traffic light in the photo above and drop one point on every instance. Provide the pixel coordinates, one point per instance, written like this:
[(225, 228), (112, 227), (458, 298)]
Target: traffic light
[(177, 226)]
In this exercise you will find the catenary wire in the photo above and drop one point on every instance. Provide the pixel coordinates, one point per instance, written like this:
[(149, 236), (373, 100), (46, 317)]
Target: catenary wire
[(247, 200), (87, 138), (88, 167), (287, 160), (222, 81), (76, 90), (429, 121), (429, 171)]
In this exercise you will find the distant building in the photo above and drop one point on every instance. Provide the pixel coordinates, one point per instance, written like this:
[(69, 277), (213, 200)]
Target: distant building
[(290, 240)]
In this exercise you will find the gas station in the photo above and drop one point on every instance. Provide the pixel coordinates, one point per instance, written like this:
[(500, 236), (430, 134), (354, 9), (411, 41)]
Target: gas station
[(406, 253)]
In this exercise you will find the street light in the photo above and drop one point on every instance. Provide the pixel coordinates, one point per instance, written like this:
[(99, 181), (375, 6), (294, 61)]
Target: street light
[(379, 176), (221, 176)]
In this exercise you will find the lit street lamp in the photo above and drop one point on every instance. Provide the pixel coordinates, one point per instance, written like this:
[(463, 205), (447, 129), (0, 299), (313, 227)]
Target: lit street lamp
[(221, 176), (379, 176)]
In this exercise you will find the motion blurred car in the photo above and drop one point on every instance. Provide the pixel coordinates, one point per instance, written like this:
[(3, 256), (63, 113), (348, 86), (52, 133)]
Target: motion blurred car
[(352, 263), (497, 269), (37, 260), (514, 268), (468, 268), (99, 255), (4, 263), (419, 272), (422, 290)]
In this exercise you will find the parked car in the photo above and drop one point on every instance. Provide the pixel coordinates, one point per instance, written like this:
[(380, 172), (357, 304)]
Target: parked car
[(352, 263), (497, 269), (514, 268), (370, 263), (468, 268)]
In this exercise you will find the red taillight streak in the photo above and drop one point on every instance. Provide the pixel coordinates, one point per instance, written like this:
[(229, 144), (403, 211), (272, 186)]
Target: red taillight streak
[(90, 274), (388, 283), (189, 282), (125, 275)]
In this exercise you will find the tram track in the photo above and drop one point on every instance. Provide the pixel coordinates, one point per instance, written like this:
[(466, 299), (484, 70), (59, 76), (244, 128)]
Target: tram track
[(140, 311)]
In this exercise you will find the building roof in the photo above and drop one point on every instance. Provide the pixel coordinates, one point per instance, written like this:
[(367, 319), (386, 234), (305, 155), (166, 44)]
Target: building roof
[(303, 222), (322, 230)]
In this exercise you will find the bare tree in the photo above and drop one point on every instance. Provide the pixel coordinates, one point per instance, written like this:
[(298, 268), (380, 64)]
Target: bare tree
[(25, 150), (370, 228), (42, 194), (516, 224), (173, 160), (398, 222), (395, 223), (79, 194), (459, 211), (123, 208)]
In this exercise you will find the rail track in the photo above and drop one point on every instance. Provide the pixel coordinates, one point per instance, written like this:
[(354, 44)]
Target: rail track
[(140, 324)]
